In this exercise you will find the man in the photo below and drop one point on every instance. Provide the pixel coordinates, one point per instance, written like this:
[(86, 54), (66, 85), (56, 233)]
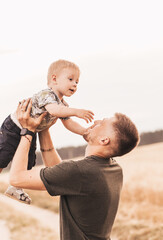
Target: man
[(89, 188)]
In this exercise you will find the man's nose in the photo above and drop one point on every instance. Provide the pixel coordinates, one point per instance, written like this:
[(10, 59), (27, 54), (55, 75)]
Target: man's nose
[(96, 121)]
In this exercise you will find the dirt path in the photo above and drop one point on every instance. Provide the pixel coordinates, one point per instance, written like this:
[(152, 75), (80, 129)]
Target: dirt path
[(5, 233), (45, 217)]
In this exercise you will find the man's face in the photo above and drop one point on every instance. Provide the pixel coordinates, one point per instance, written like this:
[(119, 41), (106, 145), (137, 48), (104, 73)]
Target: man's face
[(99, 129)]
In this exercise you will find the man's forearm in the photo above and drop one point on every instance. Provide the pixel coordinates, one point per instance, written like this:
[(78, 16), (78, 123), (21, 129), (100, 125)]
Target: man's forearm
[(49, 154), (19, 175), (20, 159)]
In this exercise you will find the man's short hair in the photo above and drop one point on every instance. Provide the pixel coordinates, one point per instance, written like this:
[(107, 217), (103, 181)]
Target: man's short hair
[(127, 136), (58, 66)]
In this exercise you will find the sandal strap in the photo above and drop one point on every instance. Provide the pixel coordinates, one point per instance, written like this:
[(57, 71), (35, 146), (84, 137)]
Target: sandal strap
[(21, 192), (18, 193)]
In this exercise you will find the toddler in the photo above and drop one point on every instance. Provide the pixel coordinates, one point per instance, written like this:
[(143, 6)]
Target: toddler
[(63, 78)]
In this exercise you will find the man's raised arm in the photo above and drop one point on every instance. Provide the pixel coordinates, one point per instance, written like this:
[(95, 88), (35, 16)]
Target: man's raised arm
[(19, 175), (49, 154)]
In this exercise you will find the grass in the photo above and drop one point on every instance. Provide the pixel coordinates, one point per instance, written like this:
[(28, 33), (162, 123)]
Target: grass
[(140, 214), (39, 198), (24, 227), (44, 200)]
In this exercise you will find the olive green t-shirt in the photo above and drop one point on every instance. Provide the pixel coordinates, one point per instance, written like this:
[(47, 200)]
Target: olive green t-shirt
[(90, 191)]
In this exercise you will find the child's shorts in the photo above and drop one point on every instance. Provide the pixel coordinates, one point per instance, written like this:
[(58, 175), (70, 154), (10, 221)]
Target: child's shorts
[(9, 141)]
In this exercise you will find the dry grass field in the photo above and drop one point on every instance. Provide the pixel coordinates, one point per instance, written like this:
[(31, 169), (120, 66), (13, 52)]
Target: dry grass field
[(140, 213), (22, 226)]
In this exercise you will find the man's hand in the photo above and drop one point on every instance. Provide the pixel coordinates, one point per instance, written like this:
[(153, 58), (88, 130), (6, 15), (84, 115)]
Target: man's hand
[(23, 116), (87, 115)]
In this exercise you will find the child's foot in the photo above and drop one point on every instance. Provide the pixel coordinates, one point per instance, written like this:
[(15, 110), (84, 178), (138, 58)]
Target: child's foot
[(18, 194)]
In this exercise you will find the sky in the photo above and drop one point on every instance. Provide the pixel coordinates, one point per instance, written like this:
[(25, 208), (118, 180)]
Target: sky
[(118, 46)]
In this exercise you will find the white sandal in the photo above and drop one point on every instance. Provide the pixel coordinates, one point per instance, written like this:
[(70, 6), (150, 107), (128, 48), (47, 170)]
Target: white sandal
[(18, 194)]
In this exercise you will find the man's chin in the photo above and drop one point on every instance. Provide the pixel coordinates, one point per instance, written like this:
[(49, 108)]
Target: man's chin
[(85, 136)]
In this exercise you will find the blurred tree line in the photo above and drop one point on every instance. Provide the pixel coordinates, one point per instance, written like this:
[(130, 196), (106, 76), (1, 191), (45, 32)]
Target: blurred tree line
[(72, 152), (65, 153), (151, 137)]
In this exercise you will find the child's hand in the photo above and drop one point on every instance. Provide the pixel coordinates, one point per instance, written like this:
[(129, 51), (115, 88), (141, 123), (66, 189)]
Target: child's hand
[(87, 115)]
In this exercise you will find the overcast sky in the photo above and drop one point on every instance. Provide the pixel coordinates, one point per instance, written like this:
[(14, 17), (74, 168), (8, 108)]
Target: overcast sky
[(118, 46)]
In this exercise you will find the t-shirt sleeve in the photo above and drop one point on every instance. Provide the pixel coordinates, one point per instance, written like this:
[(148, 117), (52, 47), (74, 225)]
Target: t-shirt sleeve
[(45, 97), (62, 179)]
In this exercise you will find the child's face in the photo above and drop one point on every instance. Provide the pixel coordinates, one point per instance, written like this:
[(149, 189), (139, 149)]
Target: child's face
[(66, 82)]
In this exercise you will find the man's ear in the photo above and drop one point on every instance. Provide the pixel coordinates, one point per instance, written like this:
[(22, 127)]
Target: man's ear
[(104, 141)]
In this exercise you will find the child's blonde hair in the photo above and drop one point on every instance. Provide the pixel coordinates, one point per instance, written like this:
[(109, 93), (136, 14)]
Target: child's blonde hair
[(59, 65)]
